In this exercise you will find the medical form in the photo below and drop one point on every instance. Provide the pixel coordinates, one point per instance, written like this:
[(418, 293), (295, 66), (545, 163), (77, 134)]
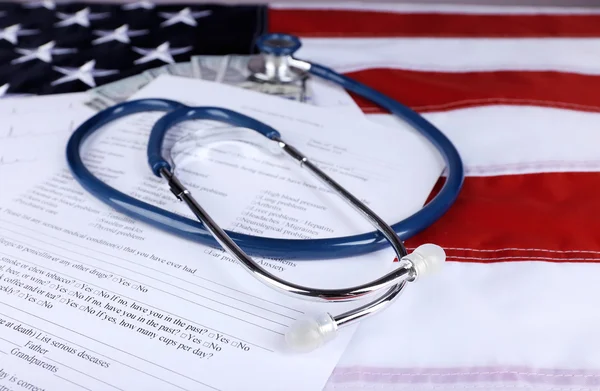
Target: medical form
[(94, 300)]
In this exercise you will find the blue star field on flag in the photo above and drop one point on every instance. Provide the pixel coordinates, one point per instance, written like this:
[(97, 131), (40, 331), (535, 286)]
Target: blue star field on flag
[(49, 47)]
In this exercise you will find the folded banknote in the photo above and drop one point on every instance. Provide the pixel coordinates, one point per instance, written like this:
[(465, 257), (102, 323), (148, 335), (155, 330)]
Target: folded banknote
[(231, 70)]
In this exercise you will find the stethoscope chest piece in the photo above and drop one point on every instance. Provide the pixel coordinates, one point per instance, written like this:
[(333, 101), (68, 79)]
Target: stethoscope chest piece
[(275, 64)]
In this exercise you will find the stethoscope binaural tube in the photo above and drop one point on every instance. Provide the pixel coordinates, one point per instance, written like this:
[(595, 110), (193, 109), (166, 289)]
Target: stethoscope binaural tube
[(305, 334), (311, 333)]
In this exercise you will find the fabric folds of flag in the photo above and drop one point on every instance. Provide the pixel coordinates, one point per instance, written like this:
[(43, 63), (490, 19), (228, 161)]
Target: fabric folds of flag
[(514, 89)]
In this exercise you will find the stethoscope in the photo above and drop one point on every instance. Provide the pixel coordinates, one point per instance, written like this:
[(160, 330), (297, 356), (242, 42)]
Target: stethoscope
[(278, 65)]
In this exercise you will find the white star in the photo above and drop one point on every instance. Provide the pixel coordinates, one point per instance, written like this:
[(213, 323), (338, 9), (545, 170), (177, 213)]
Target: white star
[(120, 34), (5, 94), (81, 18), (139, 4), (184, 16), (162, 52), (43, 53), (85, 73), (12, 33), (48, 4)]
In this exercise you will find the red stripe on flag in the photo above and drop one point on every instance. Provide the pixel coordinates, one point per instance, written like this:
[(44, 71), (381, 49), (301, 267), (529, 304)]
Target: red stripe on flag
[(359, 23), (438, 91), (550, 217)]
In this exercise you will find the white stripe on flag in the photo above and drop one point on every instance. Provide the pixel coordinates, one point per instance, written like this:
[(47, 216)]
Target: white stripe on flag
[(504, 140), (454, 55), (484, 318)]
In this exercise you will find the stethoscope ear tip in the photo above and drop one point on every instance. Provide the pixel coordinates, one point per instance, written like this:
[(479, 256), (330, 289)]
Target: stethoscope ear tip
[(427, 259), (308, 334)]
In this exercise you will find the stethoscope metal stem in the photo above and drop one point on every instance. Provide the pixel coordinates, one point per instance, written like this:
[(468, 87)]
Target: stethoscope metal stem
[(370, 308), (359, 206), (394, 281)]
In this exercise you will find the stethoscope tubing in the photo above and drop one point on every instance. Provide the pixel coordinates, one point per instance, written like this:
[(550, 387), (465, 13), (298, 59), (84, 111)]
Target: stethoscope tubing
[(298, 249), (449, 192)]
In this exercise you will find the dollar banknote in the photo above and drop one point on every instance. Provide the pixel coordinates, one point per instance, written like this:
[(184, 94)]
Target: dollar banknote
[(231, 70), (234, 70), (118, 91), (182, 69), (156, 72), (287, 91), (208, 67)]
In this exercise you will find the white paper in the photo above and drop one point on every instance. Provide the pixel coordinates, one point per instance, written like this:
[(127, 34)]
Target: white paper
[(328, 95), (28, 138), (34, 130), (30, 105), (199, 320), (33, 127), (373, 162)]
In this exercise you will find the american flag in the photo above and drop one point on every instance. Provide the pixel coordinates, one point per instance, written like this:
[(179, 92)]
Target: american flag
[(515, 88), (49, 47)]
